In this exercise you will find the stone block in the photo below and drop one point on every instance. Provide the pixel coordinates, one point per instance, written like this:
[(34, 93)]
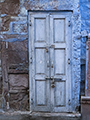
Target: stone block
[(18, 91), (18, 55), (5, 21), (18, 45), (85, 107), (10, 7), (18, 81), (19, 101), (20, 27)]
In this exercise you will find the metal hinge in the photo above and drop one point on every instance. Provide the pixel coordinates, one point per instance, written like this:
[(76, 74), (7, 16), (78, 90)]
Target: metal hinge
[(68, 60), (31, 101), (31, 60), (69, 23), (30, 23)]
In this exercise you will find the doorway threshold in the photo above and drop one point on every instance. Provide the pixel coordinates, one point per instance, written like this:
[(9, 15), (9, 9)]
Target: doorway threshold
[(19, 115), (43, 114)]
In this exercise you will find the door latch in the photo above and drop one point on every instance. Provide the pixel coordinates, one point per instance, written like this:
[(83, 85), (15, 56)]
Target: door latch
[(53, 82)]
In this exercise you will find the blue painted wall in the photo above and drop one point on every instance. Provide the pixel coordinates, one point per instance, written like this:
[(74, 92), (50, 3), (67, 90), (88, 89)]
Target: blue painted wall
[(85, 25), (85, 15)]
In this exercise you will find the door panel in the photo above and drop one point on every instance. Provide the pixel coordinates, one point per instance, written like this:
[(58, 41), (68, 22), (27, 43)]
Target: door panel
[(59, 60), (40, 87), (40, 60), (60, 94), (58, 31), (40, 29)]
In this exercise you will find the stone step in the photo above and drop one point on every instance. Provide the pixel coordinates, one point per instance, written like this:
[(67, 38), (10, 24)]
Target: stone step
[(39, 116)]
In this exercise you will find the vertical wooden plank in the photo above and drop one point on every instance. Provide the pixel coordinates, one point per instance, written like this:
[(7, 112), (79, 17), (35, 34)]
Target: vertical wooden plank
[(39, 70), (59, 55), (69, 82), (52, 59)]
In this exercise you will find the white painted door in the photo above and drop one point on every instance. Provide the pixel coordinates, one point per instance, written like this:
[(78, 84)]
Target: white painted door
[(49, 57)]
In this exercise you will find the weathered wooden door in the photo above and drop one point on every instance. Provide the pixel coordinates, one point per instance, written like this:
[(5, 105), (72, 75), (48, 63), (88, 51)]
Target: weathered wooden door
[(49, 57)]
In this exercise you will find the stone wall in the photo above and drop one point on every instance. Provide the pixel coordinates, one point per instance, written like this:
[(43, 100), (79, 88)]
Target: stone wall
[(14, 56), (14, 36)]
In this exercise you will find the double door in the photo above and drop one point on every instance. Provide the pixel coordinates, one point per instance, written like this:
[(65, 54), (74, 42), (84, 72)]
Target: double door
[(49, 61)]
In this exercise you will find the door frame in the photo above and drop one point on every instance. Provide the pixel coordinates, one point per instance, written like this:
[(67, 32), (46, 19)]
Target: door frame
[(30, 55)]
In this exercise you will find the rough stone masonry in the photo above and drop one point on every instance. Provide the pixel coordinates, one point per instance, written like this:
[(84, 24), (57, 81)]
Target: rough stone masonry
[(14, 49)]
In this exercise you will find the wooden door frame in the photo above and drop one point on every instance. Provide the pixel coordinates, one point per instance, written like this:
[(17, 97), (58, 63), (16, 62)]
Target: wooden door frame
[(29, 43)]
